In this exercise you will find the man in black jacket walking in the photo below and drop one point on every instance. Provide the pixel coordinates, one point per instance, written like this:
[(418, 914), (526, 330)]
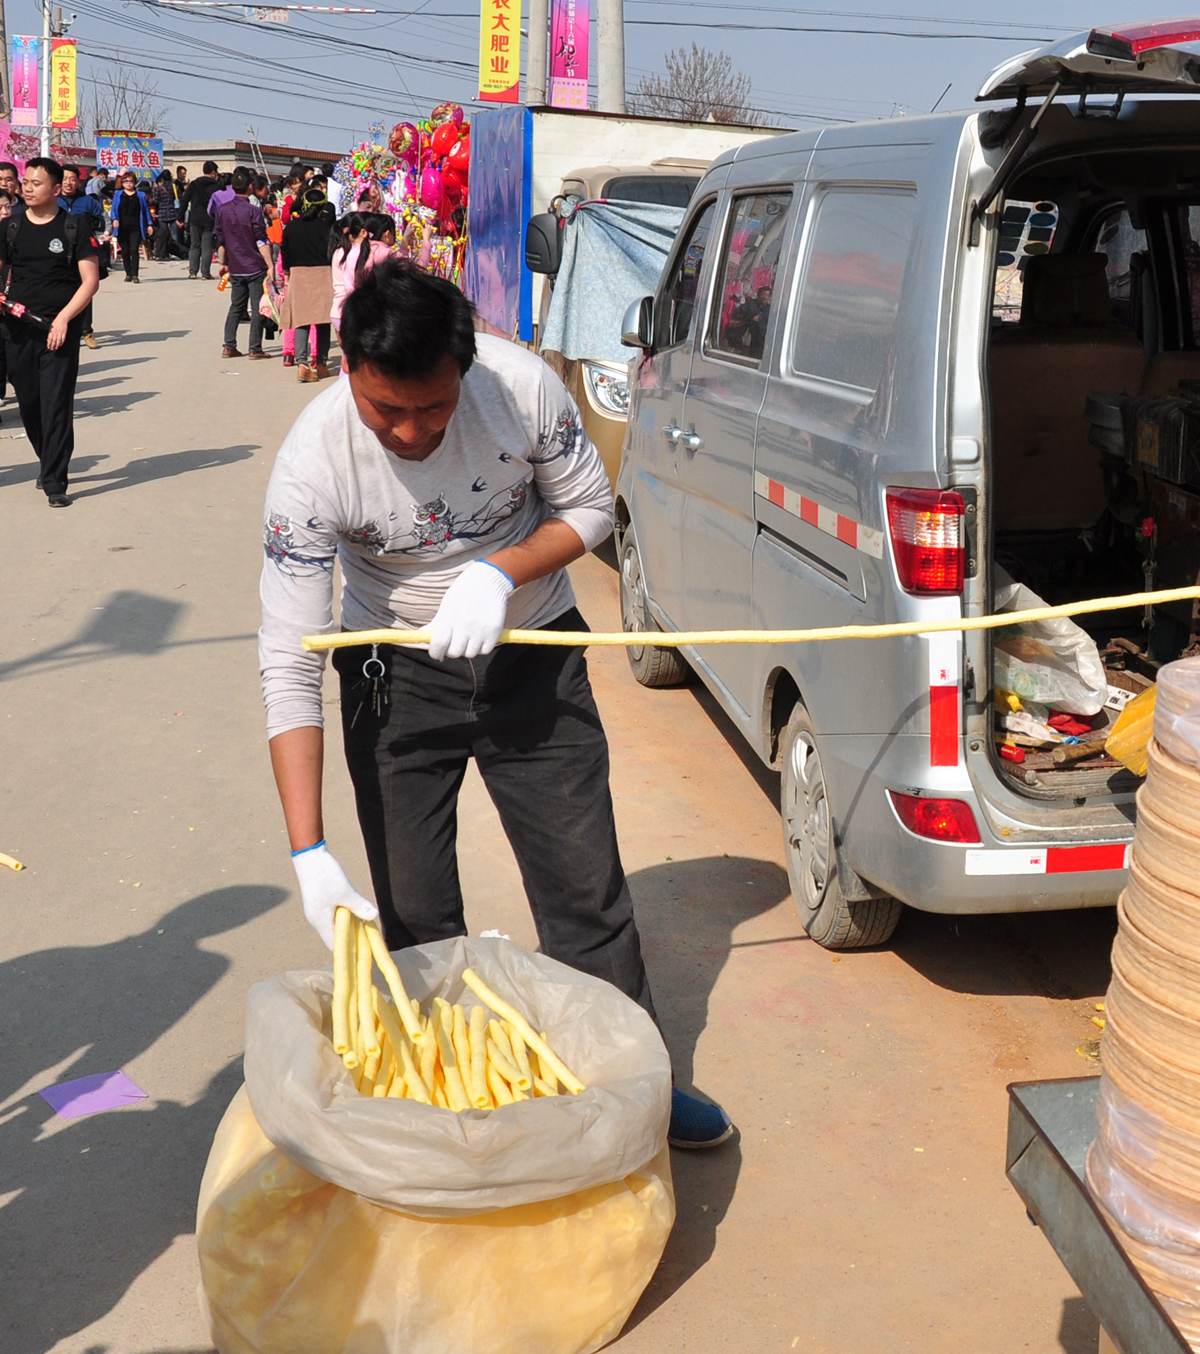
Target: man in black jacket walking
[(194, 210)]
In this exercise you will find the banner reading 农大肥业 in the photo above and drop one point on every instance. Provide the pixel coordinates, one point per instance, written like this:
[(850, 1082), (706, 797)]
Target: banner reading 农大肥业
[(500, 51)]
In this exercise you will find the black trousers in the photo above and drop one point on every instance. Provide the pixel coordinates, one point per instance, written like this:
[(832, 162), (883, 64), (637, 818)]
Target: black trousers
[(528, 717), (130, 242), (44, 382), (200, 250), (323, 337), (245, 292)]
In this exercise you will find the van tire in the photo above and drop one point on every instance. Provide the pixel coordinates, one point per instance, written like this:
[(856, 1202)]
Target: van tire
[(651, 665), (809, 849)]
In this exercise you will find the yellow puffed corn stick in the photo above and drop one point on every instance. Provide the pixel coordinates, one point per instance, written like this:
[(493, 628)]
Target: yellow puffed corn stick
[(353, 1056), (456, 1092), (387, 1069), (439, 1091), (406, 1070), (503, 1064), (541, 1085), (520, 1055), (546, 1056), (480, 1095), (462, 1046), (366, 1011), (428, 1051), (391, 976), (341, 980), (500, 1092)]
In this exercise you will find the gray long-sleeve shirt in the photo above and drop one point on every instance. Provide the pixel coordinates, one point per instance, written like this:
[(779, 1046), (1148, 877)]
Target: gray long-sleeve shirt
[(513, 454)]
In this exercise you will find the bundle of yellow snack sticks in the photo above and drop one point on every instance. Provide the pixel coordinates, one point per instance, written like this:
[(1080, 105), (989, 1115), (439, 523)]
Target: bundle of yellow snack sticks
[(445, 1057)]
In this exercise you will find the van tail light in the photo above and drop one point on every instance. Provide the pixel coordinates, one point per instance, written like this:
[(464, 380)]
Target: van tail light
[(928, 543), (941, 820)]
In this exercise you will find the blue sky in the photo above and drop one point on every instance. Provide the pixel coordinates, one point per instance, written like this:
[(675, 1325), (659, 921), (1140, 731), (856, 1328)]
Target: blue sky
[(319, 81)]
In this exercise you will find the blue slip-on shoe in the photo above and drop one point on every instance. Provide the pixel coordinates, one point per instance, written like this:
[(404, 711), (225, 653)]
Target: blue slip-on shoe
[(696, 1123)]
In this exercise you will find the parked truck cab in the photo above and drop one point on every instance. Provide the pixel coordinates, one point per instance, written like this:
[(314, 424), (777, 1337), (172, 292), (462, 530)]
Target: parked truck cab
[(889, 368)]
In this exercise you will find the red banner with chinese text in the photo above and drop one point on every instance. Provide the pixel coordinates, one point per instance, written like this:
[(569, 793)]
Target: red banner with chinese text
[(63, 102)]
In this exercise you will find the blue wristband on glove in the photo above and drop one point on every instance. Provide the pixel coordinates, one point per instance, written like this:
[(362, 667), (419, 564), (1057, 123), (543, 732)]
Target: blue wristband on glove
[(304, 850), (500, 571)]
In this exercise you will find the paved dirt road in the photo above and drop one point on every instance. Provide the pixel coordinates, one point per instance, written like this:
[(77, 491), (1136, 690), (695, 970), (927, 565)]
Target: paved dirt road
[(863, 1206)]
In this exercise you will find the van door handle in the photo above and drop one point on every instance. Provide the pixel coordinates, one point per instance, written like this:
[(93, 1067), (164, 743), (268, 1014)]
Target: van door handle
[(692, 441), (672, 434)]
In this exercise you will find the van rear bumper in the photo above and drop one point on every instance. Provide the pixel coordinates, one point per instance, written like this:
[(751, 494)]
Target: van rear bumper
[(1080, 868)]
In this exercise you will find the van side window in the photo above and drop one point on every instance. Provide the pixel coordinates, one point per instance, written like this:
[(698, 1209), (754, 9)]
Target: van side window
[(1026, 230), (749, 261), (674, 322), (851, 294)]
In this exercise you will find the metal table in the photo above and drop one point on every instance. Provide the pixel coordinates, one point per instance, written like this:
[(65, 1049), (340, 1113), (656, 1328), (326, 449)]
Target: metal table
[(1051, 1124)]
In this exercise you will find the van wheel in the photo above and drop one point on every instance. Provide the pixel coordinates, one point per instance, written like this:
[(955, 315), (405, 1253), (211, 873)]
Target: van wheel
[(811, 861), (652, 665)]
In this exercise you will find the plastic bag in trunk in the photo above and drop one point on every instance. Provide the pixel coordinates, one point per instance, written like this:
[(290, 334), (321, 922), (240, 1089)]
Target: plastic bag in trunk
[(1054, 663), (338, 1223)]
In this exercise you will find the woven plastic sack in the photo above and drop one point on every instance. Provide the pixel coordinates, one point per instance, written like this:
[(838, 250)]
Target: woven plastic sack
[(341, 1224), (1053, 662)]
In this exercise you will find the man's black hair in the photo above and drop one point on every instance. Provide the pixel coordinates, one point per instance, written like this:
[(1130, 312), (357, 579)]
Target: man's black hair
[(241, 180), (210, 166), (8, 164), (327, 169), (53, 169), (407, 322), (73, 169)]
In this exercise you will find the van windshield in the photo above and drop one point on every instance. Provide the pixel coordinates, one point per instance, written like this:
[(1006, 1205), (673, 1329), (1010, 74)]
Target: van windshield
[(667, 190)]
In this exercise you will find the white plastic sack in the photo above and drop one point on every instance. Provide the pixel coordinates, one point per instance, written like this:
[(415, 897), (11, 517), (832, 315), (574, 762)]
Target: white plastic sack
[(1177, 710), (432, 1163), (1053, 662)]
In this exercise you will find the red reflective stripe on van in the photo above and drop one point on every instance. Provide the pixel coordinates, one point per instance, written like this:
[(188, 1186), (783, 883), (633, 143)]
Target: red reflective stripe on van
[(1067, 859), (943, 726), (847, 531), (775, 492), (810, 511)]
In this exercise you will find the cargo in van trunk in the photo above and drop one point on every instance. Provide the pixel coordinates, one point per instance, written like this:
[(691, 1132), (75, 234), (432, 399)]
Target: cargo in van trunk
[(1094, 376)]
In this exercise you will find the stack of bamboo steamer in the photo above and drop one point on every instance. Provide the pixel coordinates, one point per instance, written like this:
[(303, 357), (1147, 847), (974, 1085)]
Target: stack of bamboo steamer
[(1144, 1167)]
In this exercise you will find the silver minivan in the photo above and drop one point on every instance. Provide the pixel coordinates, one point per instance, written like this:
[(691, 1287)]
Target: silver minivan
[(888, 367)]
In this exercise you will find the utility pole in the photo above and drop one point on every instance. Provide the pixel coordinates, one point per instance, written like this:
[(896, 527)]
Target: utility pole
[(5, 58), (610, 34), (44, 111), (535, 61)]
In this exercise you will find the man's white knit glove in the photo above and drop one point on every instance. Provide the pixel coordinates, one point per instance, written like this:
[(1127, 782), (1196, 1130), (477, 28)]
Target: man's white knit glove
[(472, 613), (324, 888)]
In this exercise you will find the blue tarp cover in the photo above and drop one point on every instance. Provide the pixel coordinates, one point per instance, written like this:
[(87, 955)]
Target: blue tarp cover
[(613, 253)]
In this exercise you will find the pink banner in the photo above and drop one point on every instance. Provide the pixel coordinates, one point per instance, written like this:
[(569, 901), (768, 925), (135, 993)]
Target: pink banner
[(25, 82), (569, 53)]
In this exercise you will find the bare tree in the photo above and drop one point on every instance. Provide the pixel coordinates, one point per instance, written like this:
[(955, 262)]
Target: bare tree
[(700, 85), (124, 100)]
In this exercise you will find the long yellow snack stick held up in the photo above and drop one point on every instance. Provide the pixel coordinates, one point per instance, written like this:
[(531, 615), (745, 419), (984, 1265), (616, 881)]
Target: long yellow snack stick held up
[(391, 975), (478, 1038), (546, 1055), (341, 980), (675, 639), (366, 1011)]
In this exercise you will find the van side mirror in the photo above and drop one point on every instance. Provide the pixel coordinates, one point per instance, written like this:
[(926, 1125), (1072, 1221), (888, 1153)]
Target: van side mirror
[(543, 244), (637, 328)]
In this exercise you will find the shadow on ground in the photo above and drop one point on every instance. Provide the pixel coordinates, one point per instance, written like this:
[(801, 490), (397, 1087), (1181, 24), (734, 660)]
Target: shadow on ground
[(97, 1200), (129, 623), (145, 469), (1078, 1329), (1061, 955), (687, 912)]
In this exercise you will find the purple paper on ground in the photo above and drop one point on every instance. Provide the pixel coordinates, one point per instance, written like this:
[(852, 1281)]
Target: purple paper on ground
[(91, 1095)]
